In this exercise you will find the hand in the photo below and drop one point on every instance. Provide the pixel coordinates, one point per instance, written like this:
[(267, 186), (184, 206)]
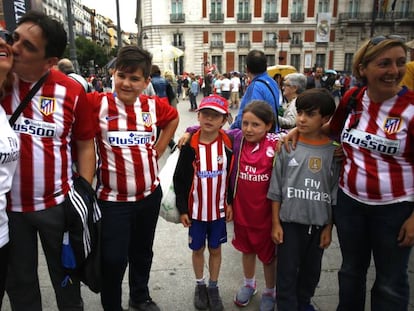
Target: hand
[(183, 140), (291, 136), (185, 220), (406, 234), (277, 233), (326, 237), (229, 213)]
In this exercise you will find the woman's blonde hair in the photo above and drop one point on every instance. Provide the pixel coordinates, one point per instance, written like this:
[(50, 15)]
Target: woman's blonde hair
[(371, 49)]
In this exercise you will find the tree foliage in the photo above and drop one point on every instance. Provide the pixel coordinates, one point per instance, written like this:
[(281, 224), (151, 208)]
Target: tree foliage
[(86, 51)]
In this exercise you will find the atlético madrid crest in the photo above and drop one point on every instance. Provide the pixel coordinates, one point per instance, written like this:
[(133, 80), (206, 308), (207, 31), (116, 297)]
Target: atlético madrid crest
[(392, 125), (47, 105), (146, 118)]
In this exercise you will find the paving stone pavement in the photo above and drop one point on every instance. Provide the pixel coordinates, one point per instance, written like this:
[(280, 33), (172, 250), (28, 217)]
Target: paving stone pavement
[(172, 278)]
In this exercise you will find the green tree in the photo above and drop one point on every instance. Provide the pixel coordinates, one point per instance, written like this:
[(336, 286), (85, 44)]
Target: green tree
[(86, 51)]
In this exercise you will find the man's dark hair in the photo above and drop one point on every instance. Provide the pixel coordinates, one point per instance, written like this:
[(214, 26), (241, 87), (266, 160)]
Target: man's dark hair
[(316, 99), (131, 57), (256, 62), (52, 30)]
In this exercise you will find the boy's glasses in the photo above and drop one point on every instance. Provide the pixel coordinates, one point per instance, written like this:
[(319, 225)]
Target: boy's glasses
[(6, 36), (376, 40)]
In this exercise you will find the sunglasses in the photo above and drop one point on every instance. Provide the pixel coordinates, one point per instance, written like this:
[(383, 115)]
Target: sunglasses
[(6, 36), (376, 40)]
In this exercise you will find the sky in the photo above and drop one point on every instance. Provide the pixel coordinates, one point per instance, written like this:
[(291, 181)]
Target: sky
[(127, 11)]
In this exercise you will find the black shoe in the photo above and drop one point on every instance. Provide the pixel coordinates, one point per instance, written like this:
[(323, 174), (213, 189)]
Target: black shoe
[(214, 299), (200, 297), (148, 305)]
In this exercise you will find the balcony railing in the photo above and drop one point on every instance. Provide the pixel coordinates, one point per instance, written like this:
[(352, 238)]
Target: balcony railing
[(216, 17), (244, 17), (177, 18), (296, 43), (297, 17), (366, 17), (216, 44), (243, 44), (270, 44), (271, 17), (179, 45)]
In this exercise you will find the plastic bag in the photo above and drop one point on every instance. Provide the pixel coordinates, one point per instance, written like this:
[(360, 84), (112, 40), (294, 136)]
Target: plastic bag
[(168, 209)]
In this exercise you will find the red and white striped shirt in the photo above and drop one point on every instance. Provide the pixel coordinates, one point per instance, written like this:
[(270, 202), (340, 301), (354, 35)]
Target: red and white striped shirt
[(56, 116), (128, 170), (207, 201), (379, 163)]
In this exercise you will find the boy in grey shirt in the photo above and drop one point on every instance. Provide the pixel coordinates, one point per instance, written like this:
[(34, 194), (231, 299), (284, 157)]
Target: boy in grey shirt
[(303, 189)]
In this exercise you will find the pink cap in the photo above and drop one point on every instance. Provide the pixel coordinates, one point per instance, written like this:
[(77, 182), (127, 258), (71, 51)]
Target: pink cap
[(216, 103)]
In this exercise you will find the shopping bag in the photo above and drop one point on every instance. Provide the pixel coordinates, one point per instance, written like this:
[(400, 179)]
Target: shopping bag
[(168, 209)]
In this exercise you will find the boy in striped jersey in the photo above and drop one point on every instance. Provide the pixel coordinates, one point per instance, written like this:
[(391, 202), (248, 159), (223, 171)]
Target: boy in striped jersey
[(201, 182)]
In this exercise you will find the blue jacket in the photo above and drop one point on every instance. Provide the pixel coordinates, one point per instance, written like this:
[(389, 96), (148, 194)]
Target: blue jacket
[(258, 90), (160, 85)]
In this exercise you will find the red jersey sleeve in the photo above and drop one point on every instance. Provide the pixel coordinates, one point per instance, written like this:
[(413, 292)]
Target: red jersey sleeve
[(84, 127)]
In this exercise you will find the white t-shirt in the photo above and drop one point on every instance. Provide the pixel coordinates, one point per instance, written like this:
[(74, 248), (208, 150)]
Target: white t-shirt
[(9, 154)]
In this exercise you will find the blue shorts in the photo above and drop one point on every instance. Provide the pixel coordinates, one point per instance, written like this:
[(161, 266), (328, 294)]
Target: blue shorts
[(213, 231)]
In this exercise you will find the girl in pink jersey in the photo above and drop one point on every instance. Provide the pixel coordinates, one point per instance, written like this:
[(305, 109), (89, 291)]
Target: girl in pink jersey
[(254, 149)]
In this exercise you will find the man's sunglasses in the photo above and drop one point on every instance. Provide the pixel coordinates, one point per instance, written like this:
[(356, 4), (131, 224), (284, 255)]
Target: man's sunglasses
[(376, 40), (6, 36)]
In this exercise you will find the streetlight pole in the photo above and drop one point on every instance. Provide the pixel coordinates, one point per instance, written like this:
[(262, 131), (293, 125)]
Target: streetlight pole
[(119, 33), (72, 45)]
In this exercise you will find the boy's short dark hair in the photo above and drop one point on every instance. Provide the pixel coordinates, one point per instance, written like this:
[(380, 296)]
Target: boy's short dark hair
[(132, 57), (52, 30), (316, 99)]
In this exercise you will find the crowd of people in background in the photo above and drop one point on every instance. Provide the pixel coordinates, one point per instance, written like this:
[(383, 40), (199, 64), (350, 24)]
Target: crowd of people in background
[(359, 127)]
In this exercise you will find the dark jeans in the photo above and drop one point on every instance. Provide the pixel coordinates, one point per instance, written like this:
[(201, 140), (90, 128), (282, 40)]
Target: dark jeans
[(364, 230), (298, 266), (193, 101), (22, 283), (128, 230)]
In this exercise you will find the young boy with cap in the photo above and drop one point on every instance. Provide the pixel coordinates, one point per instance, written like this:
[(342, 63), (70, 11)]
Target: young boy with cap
[(201, 183)]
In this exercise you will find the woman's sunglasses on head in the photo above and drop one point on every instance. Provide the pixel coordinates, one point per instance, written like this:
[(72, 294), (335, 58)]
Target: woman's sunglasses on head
[(6, 36)]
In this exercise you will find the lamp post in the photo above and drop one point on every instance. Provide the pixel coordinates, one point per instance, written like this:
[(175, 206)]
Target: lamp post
[(281, 39)]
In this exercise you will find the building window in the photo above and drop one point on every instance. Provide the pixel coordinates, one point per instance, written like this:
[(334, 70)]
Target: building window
[(271, 59), (178, 40), (271, 6), (216, 14), (242, 63), (244, 41), (176, 6), (216, 6), (295, 60), (353, 8), (216, 40), (244, 6), (348, 62), (323, 6), (297, 6), (270, 14), (217, 60), (320, 60)]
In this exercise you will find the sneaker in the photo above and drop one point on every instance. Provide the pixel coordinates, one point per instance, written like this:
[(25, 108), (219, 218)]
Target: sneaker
[(267, 303), (200, 297), (244, 295), (148, 305), (214, 299)]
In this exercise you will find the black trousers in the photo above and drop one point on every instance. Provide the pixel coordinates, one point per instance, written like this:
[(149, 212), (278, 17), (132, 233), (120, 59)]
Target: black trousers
[(299, 260)]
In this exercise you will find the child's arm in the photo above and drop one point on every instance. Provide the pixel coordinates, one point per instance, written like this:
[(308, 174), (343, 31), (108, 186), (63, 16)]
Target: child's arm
[(229, 213), (326, 236), (277, 230)]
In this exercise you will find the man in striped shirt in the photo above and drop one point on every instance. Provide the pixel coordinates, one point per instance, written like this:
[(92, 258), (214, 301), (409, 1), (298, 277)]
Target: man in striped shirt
[(56, 119)]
